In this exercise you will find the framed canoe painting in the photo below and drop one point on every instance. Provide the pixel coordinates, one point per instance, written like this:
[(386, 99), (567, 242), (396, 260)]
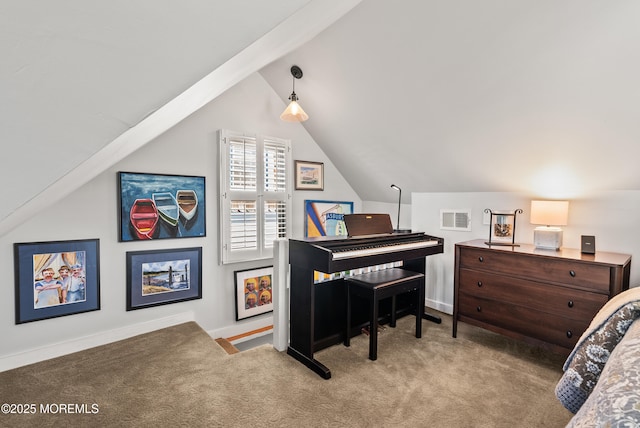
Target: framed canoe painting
[(157, 206)]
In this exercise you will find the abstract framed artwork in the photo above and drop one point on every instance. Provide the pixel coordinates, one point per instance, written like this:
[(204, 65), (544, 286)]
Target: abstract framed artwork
[(254, 292), (161, 277), (325, 218), (160, 206), (309, 175), (56, 278)]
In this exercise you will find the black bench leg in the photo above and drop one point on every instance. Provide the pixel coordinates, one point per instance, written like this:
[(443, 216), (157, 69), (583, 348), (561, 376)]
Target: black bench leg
[(347, 333), (419, 311), (392, 323), (373, 330)]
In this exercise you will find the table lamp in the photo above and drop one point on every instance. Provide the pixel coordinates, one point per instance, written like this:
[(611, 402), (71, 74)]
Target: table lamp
[(551, 215)]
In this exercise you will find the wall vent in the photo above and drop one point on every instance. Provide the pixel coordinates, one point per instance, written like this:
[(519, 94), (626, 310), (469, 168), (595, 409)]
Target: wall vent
[(455, 220)]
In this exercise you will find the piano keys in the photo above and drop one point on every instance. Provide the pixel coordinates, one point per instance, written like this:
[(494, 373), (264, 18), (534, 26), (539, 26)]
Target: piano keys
[(318, 311), (372, 249)]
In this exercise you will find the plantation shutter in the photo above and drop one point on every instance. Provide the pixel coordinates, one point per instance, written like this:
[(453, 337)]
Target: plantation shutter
[(275, 188), (255, 195)]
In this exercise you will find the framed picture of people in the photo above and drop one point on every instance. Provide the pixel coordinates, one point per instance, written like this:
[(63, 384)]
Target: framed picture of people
[(254, 292), (56, 278)]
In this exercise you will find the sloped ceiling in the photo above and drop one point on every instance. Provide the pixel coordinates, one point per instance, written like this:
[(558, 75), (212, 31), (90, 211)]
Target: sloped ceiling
[(464, 95), (75, 74), (434, 96)]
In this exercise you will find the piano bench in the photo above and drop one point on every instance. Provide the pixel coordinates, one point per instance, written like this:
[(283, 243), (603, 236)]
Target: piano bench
[(378, 285)]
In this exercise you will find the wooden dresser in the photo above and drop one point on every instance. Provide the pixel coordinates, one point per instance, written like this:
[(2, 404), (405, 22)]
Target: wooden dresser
[(543, 297)]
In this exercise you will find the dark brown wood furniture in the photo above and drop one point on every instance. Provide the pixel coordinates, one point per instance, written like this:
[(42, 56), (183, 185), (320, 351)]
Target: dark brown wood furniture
[(543, 297), (382, 284)]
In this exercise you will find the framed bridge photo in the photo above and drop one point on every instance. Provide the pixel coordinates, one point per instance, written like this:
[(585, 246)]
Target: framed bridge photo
[(161, 277), (57, 278)]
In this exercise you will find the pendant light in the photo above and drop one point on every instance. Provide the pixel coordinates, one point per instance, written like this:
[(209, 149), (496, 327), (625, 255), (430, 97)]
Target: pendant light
[(293, 112)]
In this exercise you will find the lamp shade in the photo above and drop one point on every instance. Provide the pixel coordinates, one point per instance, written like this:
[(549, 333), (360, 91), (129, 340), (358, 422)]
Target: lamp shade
[(294, 113), (550, 213)]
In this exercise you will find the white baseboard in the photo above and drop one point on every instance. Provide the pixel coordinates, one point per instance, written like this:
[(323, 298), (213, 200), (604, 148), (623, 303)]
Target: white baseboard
[(446, 308), (8, 362)]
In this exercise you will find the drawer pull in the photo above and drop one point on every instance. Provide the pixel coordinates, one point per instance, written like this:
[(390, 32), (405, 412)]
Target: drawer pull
[(570, 303), (479, 309), (479, 283), (569, 334), (480, 259), (572, 273)]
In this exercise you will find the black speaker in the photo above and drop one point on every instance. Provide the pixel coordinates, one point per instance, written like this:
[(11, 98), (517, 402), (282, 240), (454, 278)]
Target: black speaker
[(588, 244)]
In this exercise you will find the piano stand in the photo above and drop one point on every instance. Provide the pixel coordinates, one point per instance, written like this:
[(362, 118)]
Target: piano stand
[(378, 285), (433, 318), (315, 365)]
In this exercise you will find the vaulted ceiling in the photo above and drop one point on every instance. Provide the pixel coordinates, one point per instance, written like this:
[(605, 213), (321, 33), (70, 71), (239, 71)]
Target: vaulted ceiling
[(434, 96), (462, 96)]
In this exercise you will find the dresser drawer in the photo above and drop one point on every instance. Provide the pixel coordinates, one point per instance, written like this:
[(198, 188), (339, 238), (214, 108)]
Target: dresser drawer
[(538, 268), (552, 299), (553, 329)]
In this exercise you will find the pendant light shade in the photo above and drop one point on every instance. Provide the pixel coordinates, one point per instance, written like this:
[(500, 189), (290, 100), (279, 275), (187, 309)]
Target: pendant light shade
[(293, 112)]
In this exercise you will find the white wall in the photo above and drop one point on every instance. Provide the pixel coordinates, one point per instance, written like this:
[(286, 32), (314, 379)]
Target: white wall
[(91, 212), (610, 216)]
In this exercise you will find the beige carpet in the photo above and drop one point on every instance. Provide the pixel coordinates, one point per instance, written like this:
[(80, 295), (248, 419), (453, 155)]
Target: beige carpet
[(179, 376)]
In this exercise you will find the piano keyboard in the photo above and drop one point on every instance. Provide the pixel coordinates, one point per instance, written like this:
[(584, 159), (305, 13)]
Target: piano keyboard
[(381, 249)]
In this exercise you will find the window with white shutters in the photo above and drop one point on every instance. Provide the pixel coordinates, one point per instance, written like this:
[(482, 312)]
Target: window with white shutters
[(254, 195)]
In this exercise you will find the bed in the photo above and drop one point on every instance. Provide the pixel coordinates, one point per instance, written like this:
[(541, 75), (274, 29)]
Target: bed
[(601, 380)]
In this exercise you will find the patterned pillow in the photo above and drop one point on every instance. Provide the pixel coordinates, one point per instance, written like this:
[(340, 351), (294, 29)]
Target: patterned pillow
[(585, 364), (615, 401)]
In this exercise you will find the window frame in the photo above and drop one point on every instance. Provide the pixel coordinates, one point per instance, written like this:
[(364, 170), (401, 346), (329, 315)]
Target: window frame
[(264, 248)]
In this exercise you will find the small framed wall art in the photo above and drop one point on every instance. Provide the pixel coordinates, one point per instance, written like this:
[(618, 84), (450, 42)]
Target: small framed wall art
[(254, 292), (309, 175), (160, 277), (56, 278)]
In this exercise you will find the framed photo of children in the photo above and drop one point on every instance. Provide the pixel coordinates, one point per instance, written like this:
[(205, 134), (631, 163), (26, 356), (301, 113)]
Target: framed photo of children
[(160, 277), (254, 292), (57, 278)]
